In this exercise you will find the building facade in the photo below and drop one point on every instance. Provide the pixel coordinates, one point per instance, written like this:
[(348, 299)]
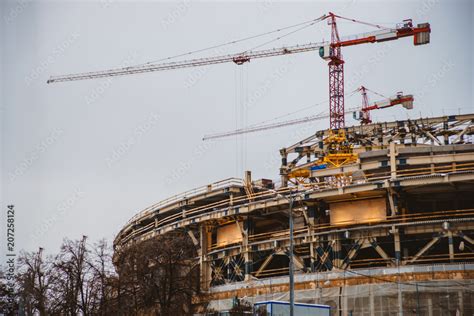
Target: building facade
[(386, 228)]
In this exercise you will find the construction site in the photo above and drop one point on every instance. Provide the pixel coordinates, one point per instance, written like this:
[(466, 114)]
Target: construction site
[(370, 219)]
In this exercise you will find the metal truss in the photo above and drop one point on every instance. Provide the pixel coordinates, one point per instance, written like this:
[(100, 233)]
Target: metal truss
[(444, 130), (228, 269)]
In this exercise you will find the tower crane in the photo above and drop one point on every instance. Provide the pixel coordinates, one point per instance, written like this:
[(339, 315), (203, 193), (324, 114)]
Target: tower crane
[(361, 113), (364, 114), (330, 51)]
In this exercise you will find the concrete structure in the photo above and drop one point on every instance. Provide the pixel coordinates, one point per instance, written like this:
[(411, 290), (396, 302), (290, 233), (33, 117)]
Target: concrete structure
[(389, 234)]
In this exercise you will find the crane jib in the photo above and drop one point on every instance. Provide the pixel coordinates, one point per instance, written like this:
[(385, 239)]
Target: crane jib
[(238, 59), (420, 33)]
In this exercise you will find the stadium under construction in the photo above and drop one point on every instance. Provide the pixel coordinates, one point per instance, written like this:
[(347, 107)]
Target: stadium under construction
[(384, 228), (373, 219)]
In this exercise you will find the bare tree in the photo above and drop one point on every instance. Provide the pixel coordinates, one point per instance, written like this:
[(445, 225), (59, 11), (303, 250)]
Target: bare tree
[(155, 277), (158, 276), (104, 279), (8, 299), (34, 280), (74, 287)]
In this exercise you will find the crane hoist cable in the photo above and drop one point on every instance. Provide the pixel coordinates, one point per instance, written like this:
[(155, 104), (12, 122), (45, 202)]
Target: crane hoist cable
[(362, 22), (347, 95), (311, 22), (282, 36), (362, 112)]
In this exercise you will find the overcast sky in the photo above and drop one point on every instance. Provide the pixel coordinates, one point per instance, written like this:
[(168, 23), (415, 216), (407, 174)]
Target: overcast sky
[(81, 158)]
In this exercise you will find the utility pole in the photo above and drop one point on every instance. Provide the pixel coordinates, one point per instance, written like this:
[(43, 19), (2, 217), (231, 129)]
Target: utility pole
[(291, 266), (291, 272)]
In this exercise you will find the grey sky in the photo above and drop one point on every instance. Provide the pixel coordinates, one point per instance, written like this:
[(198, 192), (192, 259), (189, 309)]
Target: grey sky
[(83, 157)]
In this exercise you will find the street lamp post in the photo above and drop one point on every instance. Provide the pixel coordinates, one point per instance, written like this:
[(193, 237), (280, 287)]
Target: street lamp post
[(291, 266), (291, 250)]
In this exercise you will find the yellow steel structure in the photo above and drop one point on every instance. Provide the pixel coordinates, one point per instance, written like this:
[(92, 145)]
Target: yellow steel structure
[(339, 150)]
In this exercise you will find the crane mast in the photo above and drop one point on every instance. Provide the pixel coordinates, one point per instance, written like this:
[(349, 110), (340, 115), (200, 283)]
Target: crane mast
[(365, 119), (336, 79)]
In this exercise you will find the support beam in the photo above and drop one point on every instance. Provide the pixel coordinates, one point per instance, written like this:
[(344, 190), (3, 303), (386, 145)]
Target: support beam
[(434, 139), (345, 309), (352, 253), (393, 161), (284, 167), (425, 248), (460, 309), (299, 263), (396, 240), (391, 202), (337, 251), (324, 256), (264, 264), (371, 300), (193, 238), (312, 256), (399, 296), (245, 230), (248, 185), (450, 245), (380, 251), (306, 218), (430, 306), (459, 137), (466, 238)]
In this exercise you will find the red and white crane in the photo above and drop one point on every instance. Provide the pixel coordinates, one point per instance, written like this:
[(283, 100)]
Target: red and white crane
[(329, 51), (361, 113), (364, 114)]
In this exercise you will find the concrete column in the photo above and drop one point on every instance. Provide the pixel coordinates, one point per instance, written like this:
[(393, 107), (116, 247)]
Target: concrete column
[(451, 245), (283, 170), (344, 307), (337, 251), (396, 240), (400, 298), (371, 301), (247, 252), (429, 304), (205, 268), (432, 166), (399, 285), (461, 302), (446, 134), (391, 201), (393, 161)]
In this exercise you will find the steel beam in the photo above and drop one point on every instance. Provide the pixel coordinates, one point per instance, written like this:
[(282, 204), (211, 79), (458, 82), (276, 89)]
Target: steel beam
[(380, 251), (264, 264), (425, 248)]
